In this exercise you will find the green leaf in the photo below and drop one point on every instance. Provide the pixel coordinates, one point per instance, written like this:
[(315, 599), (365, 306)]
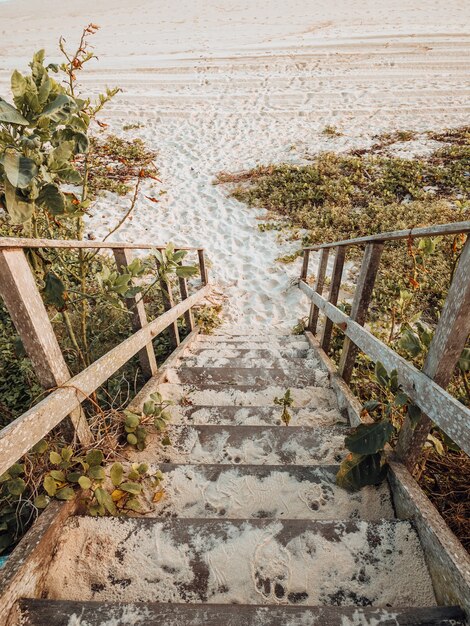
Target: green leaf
[(50, 486), (464, 361), (149, 407), (414, 413), (58, 475), (143, 468), (369, 438), (166, 441), (133, 505), (73, 477), (52, 199), (66, 493), (19, 170), (18, 84), (61, 155), (185, 271), (66, 453), (437, 443), (40, 502), (54, 292), (94, 457), (60, 108), (116, 474), (10, 115), (410, 343), (20, 209), (55, 458), (40, 447), (104, 499), (132, 420), (96, 472), (16, 486), (16, 470), (84, 482), (132, 439), (129, 487), (357, 471), (381, 374)]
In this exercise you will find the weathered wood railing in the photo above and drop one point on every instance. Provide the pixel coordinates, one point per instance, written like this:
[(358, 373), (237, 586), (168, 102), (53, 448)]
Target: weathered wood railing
[(426, 388), (22, 298)]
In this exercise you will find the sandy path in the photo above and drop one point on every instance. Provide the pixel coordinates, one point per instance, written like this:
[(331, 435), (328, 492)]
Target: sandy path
[(225, 89)]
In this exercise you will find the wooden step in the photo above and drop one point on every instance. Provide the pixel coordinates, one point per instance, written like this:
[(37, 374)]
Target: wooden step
[(297, 562), (267, 362), (234, 351), (253, 491), (245, 395), (241, 343), (255, 445), (320, 415), (258, 338), (247, 377), (69, 613)]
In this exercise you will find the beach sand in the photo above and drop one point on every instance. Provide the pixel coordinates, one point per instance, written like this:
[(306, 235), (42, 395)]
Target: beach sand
[(229, 84)]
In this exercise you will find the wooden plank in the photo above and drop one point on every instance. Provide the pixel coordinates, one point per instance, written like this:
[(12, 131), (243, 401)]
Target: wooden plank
[(333, 296), (23, 574), (447, 560), (28, 313), (444, 352), (447, 412), (21, 435), (303, 275), (22, 242), (360, 305), (319, 282), (92, 613), (188, 316), (453, 228), (168, 304), (202, 266), (148, 362)]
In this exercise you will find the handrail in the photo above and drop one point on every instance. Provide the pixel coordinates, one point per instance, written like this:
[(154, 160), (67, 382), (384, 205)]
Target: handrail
[(25, 431), (20, 242), (454, 228), (426, 388), (20, 293)]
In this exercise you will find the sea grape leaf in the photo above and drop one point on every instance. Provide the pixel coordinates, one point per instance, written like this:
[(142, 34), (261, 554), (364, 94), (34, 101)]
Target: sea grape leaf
[(369, 438), (357, 471)]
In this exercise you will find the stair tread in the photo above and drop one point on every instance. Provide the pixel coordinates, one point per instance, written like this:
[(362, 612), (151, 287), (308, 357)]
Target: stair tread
[(246, 395), (243, 362), (247, 377), (321, 415), (235, 351), (342, 563), (257, 445), (253, 491), (60, 612)]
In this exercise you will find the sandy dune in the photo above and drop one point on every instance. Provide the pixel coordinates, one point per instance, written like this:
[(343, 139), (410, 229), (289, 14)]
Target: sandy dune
[(224, 85)]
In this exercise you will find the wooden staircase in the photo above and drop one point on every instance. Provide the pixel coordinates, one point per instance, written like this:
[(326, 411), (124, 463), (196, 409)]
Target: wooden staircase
[(252, 529)]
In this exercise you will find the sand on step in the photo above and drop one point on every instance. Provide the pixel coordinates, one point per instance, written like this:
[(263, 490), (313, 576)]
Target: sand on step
[(346, 563)]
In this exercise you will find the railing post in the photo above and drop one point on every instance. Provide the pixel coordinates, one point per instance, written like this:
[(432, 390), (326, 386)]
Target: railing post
[(360, 305), (319, 282), (303, 275), (188, 316), (24, 303), (444, 352), (135, 305), (334, 292), (202, 266), (169, 303)]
